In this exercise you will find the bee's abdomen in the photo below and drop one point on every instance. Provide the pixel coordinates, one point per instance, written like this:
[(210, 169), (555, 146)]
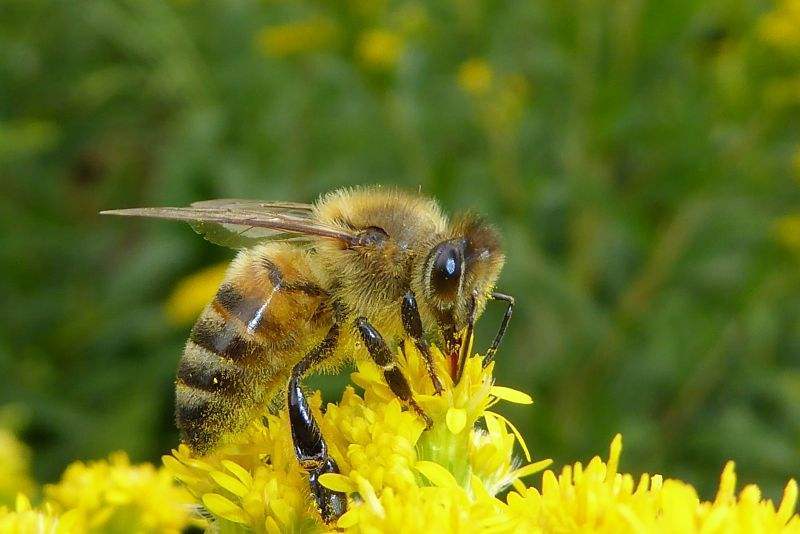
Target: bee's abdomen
[(241, 348)]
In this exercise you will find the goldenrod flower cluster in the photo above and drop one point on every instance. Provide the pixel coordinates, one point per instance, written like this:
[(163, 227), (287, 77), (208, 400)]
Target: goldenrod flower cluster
[(465, 474), (597, 498), (450, 478), (397, 475), (104, 496), (14, 468), (781, 26)]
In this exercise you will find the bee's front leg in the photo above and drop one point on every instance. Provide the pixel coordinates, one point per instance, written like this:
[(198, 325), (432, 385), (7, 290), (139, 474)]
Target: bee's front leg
[(509, 300), (309, 445), (381, 355), (412, 323)]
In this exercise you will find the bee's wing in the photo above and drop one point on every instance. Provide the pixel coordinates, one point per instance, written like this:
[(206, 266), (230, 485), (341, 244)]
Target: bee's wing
[(241, 223), (289, 207)]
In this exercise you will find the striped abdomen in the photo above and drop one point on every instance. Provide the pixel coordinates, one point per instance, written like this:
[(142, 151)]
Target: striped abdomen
[(269, 311)]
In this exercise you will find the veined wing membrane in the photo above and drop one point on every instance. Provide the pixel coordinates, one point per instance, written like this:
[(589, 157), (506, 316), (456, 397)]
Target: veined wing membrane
[(238, 224), (298, 208)]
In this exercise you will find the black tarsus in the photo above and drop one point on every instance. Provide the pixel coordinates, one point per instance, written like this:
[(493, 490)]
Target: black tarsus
[(309, 444), (509, 300), (412, 323), (382, 355)]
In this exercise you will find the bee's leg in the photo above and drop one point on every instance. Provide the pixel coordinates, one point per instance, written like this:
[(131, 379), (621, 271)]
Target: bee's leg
[(309, 445), (413, 327), (509, 300), (465, 347), (381, 354)]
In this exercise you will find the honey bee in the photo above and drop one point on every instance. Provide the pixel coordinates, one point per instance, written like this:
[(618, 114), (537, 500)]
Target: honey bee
[(315, 285)]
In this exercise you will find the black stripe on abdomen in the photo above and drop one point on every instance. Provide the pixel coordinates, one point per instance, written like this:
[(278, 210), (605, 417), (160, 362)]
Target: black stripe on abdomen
[(204, 370), (223, 339), (231, 303)]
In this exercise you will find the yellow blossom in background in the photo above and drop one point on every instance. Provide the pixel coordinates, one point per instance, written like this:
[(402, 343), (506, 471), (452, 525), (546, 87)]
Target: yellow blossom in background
[(499, 99), (297, 37), (24, 519), (475, 76), (379, 49), (781, 26), (193, 293), (14, 468), (114, 496), (787, 232), (597, 498)]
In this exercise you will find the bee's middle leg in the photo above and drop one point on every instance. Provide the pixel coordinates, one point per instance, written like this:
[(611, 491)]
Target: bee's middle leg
[(412, 323), (309, 444), (381, 355)]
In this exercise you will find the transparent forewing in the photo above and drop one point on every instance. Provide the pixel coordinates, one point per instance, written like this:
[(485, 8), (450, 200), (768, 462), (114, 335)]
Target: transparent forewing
[(296, 208), (242, 223)]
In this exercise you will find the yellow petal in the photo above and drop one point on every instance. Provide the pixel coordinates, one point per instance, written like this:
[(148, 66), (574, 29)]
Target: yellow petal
[(530, 469), (613, 456), (229, 483), (282, 511), (337, 482), (456, 419), (438, 475), (222, 507), (513, 429), (349, 519), (173, 465), (240, 472), (69, 521), (788, 503), (271, 526), (511, 395), (23, 504)]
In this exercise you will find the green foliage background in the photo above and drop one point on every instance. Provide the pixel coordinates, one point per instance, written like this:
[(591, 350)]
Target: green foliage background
[(637, 156)]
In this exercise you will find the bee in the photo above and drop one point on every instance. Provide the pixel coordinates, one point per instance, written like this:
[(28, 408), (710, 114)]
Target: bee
[(314, 285)]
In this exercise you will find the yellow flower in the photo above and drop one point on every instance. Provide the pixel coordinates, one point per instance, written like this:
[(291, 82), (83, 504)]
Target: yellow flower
[(297, 37), (397, 475), (24, 519), (781, 26), (114, 496), (475, 76), (14, 468), (787, 232), (401, 478), (193, 293), (596, 498), (379, 49)]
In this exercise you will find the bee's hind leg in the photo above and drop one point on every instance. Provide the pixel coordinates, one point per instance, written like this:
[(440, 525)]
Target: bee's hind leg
[(381, 355), (412, 323), (309, 444)]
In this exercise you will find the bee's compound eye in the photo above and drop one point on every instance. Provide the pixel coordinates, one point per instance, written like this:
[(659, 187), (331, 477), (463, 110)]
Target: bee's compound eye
[(446, 268)]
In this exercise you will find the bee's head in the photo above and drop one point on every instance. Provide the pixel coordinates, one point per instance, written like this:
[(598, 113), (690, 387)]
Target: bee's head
[(461, 269)]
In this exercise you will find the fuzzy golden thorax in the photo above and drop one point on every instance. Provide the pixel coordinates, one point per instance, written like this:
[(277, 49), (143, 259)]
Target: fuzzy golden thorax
[(409, 245)]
